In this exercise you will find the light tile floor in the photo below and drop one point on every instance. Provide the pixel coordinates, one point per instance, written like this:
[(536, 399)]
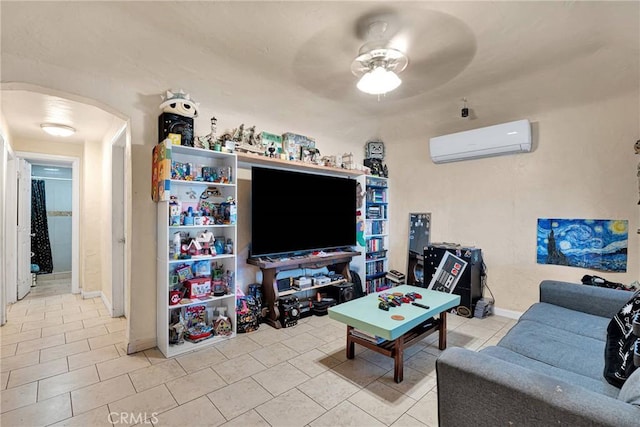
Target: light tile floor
[(64, 364)]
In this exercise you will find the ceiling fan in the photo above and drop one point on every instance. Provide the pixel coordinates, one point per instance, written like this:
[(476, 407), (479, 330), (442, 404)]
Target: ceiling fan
[(423, 47), (379, 62)]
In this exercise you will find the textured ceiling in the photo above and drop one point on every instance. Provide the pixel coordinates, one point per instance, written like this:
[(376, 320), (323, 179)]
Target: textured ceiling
[(24, 111), (290, 61)]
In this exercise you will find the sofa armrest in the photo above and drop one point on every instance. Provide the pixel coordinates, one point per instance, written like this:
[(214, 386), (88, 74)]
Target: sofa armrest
[(603, 302), (477, 389)]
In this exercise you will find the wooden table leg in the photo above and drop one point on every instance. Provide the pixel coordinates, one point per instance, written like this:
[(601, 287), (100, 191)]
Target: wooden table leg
[(398, 360), (442, 342), (350, 344)]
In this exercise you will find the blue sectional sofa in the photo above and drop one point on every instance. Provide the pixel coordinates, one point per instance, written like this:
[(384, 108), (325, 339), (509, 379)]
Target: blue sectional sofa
[(547, 370)]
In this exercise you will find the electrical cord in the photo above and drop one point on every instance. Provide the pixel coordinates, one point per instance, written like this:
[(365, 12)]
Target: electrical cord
[(483, 282)]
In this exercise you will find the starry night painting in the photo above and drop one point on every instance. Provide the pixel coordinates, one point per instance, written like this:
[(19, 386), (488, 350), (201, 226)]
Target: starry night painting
[(599, 244)]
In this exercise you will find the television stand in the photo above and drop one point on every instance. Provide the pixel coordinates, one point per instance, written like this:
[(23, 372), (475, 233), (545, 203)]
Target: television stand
[(334, 261)]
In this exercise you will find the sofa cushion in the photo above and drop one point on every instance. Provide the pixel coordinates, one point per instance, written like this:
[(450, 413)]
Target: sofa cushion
[(556, 347), (570, 320), (597, 385), (618, 358), (630, 391)]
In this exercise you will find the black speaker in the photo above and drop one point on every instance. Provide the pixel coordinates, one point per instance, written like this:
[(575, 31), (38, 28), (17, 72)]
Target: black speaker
[(174, 123), (343, 292), (289, 308), (357, 284)]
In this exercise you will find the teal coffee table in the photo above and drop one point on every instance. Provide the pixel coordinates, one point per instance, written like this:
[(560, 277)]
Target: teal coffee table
[(365, 321)]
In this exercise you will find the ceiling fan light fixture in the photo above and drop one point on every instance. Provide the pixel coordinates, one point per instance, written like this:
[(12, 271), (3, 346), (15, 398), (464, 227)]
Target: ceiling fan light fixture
[(378, 63), (379, 81), (56, 129)]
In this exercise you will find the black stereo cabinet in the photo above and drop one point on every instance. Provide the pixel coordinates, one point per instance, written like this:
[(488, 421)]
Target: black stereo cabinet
[(448, 266)]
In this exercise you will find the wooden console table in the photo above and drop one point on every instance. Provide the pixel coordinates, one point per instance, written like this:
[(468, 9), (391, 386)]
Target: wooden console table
[(334, 261)]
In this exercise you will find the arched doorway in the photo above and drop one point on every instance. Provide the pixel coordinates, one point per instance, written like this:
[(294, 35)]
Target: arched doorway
[(103, 170)]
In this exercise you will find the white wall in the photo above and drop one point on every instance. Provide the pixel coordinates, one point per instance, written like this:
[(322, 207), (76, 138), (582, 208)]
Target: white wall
[(583, 167), (92, 218)]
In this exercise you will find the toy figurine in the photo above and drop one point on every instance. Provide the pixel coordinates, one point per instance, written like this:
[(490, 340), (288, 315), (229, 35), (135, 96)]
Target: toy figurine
[(214, 127), (208, 142), (210, 192), (222, 325), (177, 243), (176, 328), (272, 150), (315, 155), (194, 248), (207, 242), (179, 103), (238, 134), (248, 142), (176, 120), (250, 136)]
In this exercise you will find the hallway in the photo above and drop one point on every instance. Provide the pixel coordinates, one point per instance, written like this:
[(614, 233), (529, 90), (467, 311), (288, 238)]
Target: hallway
[(51, 344), (48, 288)]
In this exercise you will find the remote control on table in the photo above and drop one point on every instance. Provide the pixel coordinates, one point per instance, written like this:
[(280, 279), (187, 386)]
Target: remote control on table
[(417, 304)]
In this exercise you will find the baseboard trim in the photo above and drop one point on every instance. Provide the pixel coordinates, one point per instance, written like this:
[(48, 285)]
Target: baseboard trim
[(91, 294), (140, 345), (106, 303), (511, 314)]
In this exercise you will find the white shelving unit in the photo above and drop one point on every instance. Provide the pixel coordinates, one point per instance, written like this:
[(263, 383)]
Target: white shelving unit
[(376, 232), (188, 194)]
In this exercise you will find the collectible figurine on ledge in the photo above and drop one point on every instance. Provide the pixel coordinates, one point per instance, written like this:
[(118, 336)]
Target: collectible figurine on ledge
[(246, 141), (176, 120), (208, 141), (177, 328)]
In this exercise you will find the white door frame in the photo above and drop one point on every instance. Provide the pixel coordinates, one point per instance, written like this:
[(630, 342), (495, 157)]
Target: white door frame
[(5, 154), (75, 207), (119, 221), (25, 199), (11, 231)]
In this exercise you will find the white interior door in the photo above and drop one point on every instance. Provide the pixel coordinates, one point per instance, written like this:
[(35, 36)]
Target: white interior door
[(24, 228), (118, 230)]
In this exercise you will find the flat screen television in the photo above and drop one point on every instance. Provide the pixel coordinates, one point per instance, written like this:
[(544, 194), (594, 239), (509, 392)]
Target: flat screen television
[(297, 212)]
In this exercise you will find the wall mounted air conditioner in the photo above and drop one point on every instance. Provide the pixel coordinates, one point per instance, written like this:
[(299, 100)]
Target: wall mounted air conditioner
[(497, 140)]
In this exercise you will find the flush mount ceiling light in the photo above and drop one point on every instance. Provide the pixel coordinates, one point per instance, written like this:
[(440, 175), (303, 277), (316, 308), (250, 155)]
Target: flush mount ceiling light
[(57, 129), (377, 63)]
